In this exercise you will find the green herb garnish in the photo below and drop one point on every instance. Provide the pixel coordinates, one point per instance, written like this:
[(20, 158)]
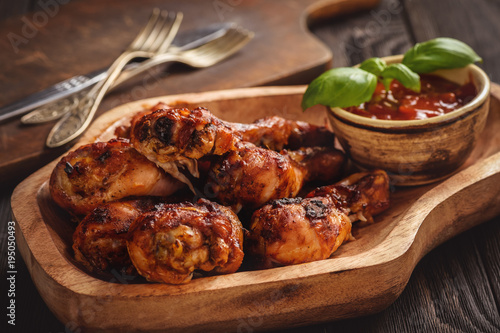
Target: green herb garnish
[(373, 65), (403, 74), (346, 86), (439, 53), (340, 87)]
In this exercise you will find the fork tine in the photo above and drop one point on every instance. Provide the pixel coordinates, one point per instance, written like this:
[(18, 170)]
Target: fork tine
[(155, 31), (146, 30), (239, 39), (232, 41), (170, 34), (212, 46), (160, 30), (233, 36), (219, 49), (167, 32), (202, 56)]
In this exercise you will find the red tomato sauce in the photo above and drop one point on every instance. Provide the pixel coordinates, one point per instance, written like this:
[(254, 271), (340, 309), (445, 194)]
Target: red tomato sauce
[(436, 97)]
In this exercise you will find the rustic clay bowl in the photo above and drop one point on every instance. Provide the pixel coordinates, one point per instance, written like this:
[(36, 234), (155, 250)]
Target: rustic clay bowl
[(416, 152)]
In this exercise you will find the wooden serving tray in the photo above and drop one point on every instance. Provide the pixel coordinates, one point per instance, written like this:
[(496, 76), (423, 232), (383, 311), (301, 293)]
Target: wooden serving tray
[(362, 277)]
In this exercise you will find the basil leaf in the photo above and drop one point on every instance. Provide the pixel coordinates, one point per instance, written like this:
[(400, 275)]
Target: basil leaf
[(387, 83), (439, 53), (373, 65), (340, 87), (403, 74)]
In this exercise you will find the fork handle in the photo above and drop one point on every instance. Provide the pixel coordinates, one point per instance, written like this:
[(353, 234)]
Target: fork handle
[(144, 66), (60, 107), (76, 122), (112, 73)]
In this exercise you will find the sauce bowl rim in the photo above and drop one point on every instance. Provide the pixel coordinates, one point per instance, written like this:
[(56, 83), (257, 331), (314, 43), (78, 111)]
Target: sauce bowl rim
[(481, 97)]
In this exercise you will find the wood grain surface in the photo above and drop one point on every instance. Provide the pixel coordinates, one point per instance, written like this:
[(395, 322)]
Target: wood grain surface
[(454, 288), (83, 36)]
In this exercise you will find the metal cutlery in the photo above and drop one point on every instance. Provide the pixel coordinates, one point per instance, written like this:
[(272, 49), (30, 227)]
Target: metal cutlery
[(184, 40), (154, 39), (56, 109), (200, 57)]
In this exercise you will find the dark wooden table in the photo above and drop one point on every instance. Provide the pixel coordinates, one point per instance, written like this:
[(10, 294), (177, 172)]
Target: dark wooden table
[(456, 287)]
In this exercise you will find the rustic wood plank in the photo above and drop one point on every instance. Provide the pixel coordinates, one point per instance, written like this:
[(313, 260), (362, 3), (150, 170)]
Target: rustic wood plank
[(5, 214), (31, 312), (474, 23), (488, 246), (443, 294), (12, 8), (377, 32), (477, 26)]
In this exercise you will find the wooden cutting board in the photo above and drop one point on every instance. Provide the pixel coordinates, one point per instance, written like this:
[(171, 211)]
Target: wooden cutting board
[(46, 47)]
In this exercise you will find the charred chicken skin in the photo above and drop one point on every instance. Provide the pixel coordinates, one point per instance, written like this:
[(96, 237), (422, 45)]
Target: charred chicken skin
[(277, 133), (123, 131), (171, 243), (323, 164), (106, 171), (271, 132), (363, 194), (100, 239), (174, 138), (251, 176), (293, 231)]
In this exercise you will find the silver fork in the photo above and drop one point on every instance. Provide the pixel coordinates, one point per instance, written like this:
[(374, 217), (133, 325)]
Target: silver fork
[(154, 39), (200, 57), (205, 55)]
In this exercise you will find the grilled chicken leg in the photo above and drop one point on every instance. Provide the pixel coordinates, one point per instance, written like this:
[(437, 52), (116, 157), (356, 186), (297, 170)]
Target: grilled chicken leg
[(251, 176), (106, 171), (179, 138), (100, 239), (293, 231), (170, 243), (174, 138)]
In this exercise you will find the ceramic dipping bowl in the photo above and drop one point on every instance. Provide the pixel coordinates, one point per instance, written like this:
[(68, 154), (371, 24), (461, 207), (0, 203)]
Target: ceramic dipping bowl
[(416, 152)]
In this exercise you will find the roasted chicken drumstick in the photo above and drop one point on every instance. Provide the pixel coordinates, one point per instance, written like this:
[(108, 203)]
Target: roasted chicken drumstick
[(174, 138), (251, 176), (277, 133), (106, 171), (171, 242), (293, 231), (362, 195), (100, 239)]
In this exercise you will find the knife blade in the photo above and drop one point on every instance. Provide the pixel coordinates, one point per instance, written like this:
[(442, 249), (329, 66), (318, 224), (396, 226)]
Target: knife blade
[(183, 41)]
